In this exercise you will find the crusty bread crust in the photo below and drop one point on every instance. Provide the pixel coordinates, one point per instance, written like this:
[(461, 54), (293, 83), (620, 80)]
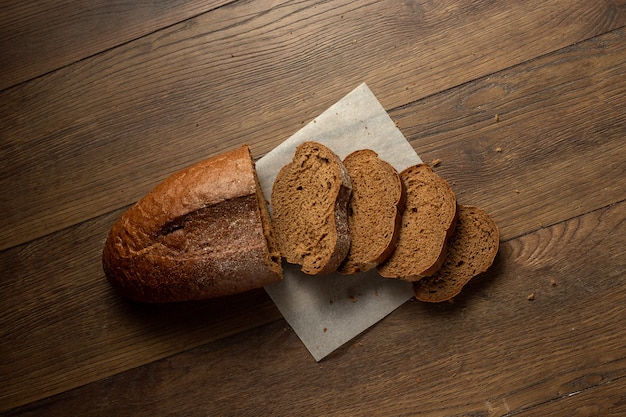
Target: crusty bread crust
[(472, 250), (309, 209), (427, 223), (201, 233), (374, 211)]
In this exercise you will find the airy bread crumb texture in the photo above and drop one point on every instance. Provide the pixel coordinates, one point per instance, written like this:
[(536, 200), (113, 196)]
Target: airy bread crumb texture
[(309, 209), (472, 249), (374, 211), (427, 222)]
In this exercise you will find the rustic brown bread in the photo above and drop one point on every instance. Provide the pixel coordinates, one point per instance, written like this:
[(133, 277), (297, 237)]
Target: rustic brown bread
[(309, 209), (472, 250), (427, 222), (374, 211), (203, 232)]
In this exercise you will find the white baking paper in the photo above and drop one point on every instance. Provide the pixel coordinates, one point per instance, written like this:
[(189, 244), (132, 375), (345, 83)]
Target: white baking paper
[(328, 311)]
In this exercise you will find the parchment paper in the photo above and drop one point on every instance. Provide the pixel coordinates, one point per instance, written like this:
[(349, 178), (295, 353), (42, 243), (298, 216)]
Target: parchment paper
[(328, 311)]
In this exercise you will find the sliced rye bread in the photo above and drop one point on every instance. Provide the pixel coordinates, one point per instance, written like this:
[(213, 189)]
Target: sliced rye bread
[(374, 212), (427, 222), (309, 209), (472, 250)]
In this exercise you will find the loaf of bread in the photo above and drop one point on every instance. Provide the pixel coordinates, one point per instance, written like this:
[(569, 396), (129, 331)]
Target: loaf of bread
[(472, 249), (309, 203), (206, 231), (374, 211), (427, 222), (203, 232)]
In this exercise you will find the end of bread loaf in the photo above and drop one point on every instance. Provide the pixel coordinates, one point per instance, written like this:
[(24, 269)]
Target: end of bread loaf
[(203, 232), (374, 211), (472, 250), (309, 209), (427, 223)]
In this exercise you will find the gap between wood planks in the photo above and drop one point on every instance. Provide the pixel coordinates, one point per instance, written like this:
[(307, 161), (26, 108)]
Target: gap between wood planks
[(501, 71), (43, 212), (389, 111), (113, 46), (493, 406), (567, 379)]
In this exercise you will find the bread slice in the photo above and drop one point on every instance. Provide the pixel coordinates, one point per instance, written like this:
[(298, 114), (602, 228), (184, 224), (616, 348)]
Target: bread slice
[(374, 212), (472, 250), (309, 209), (203, 232), (427, 222)]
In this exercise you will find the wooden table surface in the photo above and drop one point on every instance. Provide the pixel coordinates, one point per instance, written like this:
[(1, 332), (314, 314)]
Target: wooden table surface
[(524, 103)]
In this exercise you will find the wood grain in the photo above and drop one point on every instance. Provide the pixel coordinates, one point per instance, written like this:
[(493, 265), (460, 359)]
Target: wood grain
[(96, 135), (492, 352), (521, 101), (527, 142), (40, 37), (604, 399), (63, 325), (57, 284)]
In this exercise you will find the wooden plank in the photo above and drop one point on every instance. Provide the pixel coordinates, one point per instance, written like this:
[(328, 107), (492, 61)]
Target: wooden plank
[(57, 286), (40, 37), (96, 135), (62, 325), (529, 143), (491, 352)]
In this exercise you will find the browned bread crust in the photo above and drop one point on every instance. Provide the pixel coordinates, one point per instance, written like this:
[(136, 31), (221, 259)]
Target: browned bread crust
[(309, 209), (473, 247), (427, 222), (203, 232), (374, 212)]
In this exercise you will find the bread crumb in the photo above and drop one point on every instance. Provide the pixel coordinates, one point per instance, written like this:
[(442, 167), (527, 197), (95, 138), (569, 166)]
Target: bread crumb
[(553, 282), (516, 191), (436, 162), (325, 329), (498, 149), (496, 118), (531, 296)]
